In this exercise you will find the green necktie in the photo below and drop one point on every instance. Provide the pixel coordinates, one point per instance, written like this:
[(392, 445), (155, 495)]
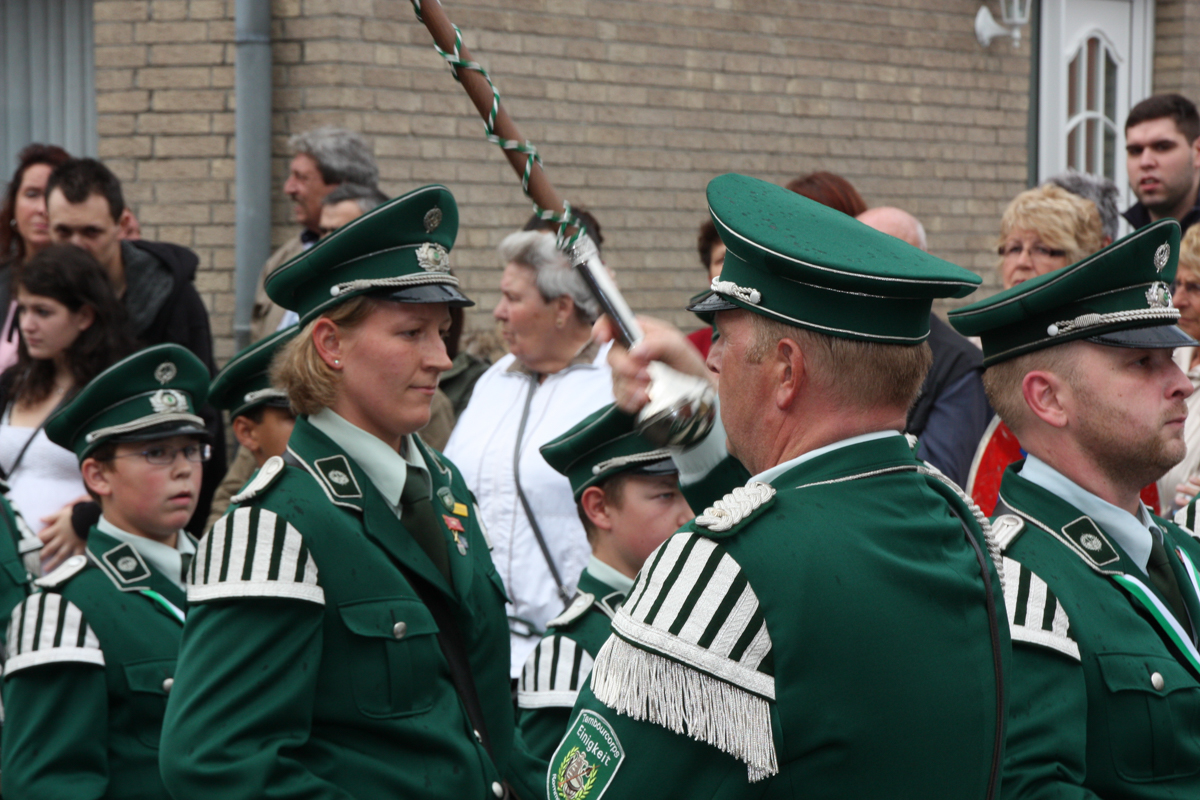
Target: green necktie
[(416, 512), (1163, 578)]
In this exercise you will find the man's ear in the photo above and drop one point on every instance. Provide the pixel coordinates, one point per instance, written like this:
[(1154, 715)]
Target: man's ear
[(128, 225), (95, 476), (595, 505), (327, 338), (1048, 396), (791, 370), (247, 433)]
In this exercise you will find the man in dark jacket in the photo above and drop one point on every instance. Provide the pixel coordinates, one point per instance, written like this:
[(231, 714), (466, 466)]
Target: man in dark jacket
[(1162, 155), (153, 279)]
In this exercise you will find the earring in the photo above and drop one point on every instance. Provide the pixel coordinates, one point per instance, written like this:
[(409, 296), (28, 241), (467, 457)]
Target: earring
[(558, 323), (337, 362)]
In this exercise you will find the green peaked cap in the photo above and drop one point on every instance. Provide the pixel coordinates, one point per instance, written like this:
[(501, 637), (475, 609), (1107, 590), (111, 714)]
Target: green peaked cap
[(400, 249), (245, 384), (603, 444), (152, 394), (1119, 296), (794, 260)]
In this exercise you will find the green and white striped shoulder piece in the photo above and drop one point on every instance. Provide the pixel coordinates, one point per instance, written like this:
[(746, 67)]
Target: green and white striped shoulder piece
[(253, 552), (46, 628), (553, 674), (1034, 614), (691, 652), (1186, 519)]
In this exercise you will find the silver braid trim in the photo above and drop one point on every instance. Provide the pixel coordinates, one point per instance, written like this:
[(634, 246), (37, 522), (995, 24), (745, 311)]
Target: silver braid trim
[(639, 458), (746, 295), (993, 547), (413, 279), (1084, 321), (735, 506)]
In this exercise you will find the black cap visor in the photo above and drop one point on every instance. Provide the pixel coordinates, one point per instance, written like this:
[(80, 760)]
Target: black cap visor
[(1158, 336), (664, 467), (426, 293), (711, 303), (166, 430)]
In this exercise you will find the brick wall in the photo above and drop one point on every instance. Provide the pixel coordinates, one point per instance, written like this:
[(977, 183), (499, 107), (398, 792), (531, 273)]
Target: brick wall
[(1176, 54), (635, 105)]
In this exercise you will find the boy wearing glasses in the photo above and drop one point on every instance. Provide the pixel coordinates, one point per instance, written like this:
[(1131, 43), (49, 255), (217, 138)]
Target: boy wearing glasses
[(91, 656)]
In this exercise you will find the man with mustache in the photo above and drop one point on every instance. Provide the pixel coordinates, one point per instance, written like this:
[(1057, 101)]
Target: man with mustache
[(1103, 597), (1162, 156)]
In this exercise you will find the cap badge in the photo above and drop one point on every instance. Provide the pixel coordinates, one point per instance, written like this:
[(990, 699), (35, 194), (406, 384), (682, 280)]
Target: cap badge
[(1091, 542), (433, 257), (1159, 294), (166, 400), (165, 372), (1161, 256), (433, 218), (127, 564)]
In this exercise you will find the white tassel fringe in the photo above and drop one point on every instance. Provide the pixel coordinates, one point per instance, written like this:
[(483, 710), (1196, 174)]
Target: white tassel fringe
[(647, 686)]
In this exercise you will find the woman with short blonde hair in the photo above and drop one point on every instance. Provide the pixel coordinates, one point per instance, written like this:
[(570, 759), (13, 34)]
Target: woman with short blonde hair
[(1044, 229)]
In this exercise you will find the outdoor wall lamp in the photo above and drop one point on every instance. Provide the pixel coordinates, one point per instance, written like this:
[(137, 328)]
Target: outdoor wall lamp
[(1013, 13)]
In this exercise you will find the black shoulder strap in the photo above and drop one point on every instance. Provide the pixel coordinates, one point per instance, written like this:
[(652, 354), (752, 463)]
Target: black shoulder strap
[(449, 639)]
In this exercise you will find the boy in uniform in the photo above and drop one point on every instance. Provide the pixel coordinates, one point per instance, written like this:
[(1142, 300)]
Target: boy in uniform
[(91, 657), (628, 497), (260, 415)]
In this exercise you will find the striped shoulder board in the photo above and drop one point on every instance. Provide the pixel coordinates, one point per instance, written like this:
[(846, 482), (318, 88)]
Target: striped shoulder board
[(253, 552), (1186, 519), (46, 628), (553, 674), (1034, 614), (691, 652)]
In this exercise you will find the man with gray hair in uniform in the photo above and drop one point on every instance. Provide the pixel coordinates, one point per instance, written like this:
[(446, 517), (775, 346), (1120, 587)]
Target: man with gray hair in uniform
[(322, 160)]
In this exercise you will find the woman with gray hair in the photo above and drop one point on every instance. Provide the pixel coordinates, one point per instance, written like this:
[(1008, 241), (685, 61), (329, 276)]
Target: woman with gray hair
[(554, 376)]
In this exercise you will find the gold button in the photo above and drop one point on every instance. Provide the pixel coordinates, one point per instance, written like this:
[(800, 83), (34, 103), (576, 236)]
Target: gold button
[(1156, 680), (497, 789), (167, 684), (399, 629)]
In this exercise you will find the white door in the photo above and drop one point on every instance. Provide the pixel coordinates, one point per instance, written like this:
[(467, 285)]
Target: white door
[(1096, 59)]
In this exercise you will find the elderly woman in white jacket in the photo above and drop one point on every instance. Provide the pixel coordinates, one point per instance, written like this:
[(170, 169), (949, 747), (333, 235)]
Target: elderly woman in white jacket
[(553, 377)]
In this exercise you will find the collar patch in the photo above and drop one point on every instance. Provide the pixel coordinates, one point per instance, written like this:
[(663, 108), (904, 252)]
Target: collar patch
[(126, 564), (336, 472), (1090, 542)]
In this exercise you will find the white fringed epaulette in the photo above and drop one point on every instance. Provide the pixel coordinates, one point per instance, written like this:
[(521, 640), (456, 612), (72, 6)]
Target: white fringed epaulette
[(553, 674), (579, 606), (1186, 519), (62, 573), (1034, 614), (716, 692), (267, 474), (734, 507), (46, 628), (253, 552)]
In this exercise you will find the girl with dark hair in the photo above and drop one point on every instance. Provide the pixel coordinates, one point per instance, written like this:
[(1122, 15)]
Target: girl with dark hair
[(72, 327), (24, 229)]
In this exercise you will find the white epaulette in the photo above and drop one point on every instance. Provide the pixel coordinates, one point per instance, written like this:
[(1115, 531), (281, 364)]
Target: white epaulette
[(717, 692), (1186, 519), (736, 506), (1006, 528), (579, 606), (46, 628), (553, 674), (62, 573), (1034, 614), (280, 566), (267, 474)]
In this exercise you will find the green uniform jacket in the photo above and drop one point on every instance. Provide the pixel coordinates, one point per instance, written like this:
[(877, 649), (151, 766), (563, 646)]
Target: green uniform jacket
[(561, 663), (824, 636), (311, 668), (19, 560), (1104, 695), (90, 664)]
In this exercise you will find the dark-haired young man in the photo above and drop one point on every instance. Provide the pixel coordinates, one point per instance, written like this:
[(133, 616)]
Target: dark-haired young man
[(1162, 156), (153, 279)]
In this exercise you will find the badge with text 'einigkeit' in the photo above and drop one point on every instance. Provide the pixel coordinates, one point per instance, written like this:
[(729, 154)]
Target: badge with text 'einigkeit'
[(586, 760)]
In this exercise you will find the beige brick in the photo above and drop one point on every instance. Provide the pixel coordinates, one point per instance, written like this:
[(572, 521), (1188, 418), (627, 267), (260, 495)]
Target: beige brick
[(106, 10), (120, 56), (174, 77), (207, 9), (188, 146), (110, 102), (156, 32), (175, 53), (173, 123), (162, 10), (195, 100)]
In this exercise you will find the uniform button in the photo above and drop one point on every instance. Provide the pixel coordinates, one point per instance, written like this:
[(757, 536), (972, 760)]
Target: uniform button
[(167, 684), (497, 789), (1156, 680), (478, 738), (399, 629)]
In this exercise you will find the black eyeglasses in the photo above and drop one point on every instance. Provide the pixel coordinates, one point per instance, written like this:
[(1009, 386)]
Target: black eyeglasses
[(165, 456)]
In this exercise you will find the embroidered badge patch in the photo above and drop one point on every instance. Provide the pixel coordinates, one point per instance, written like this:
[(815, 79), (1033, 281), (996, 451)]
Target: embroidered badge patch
[(339, 477), (1090, 542), (586, 761), (126, 564)]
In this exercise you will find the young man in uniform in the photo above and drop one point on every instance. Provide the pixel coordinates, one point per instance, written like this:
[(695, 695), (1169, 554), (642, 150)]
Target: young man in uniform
[(1103, 597), (628, 497), (259, 413), (830, 629), (91, 658)]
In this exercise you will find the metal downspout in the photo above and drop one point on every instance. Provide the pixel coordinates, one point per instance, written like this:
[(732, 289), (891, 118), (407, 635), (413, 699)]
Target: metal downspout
[(252, 89)]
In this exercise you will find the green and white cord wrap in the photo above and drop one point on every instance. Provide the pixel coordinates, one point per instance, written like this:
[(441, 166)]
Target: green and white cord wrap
[(457, 62)]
